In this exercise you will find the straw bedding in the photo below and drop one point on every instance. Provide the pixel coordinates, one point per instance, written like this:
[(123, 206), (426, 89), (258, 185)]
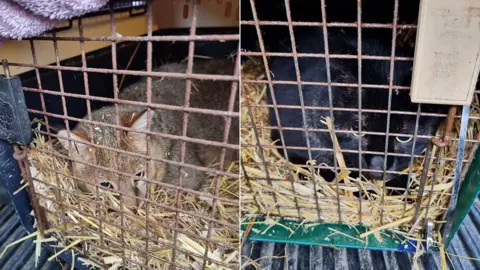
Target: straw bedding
[(258, 196), (76, 219)]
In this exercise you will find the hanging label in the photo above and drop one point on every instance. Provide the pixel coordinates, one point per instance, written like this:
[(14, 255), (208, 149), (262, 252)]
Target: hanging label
[(447, 61)]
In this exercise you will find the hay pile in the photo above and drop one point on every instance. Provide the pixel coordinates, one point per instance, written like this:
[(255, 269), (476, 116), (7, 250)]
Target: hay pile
[(79, 228), (258, 196)]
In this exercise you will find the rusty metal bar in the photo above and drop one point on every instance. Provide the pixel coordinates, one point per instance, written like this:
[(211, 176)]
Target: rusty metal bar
[(345, 186), (175, 187), (412, 156), (390, 90), (133, 72), (366, 132), (200, 168), (270, 88), (353, 85), (114, 242), (345, 151), (149, 124), (441, 144), (193, 214), (218, 38), (165, 226), (249, 184), (375, 133), (330, 211), (333, 201), (163, 135), (350, 109), (359, 74), (188, 88), (423, 180), (332, 56), (430, 192), (330, 24), (259, 146), (226, 132), (98, 216), (331, 168), (39, 84), (99, 207), (62, 90), (139, 103), (42, 102), (302, 102), (21, 156), (330, 100), (447, 136), (113, 32)]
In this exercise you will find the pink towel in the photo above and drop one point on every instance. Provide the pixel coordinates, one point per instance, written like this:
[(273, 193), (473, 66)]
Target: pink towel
[(26, 18), (61, 9), (17, 23)]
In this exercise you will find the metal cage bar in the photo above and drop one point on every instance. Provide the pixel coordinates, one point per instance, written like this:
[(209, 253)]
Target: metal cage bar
[(98, 214), (284, 212), (270, 86), (390, 90)]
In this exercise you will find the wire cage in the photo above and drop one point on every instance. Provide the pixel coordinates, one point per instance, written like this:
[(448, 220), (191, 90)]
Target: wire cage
[(333, 151), (127, 162)]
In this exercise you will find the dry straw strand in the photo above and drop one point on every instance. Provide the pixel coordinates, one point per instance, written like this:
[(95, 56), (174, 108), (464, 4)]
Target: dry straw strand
[(80, 214), (260, 198)]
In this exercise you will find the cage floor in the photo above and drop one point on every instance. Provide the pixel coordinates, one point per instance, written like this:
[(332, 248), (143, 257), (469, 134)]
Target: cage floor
[(266, 255), (299, 257), (298, 199), (191, 225), (21, 256)]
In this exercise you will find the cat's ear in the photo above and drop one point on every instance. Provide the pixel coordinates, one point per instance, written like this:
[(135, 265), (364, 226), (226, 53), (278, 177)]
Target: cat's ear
[(137, 121), (77, 134)]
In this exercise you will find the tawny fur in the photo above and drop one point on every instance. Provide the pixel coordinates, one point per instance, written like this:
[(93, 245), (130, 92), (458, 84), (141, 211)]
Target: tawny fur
[(205, 94)]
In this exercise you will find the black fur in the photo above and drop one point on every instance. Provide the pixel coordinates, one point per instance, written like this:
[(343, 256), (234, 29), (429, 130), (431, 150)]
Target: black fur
[(346, 71)]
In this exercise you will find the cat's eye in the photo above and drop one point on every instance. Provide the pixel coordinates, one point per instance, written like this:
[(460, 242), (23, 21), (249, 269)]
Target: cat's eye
[(404, 139), (356, 134), (140, 174), (106, 184)]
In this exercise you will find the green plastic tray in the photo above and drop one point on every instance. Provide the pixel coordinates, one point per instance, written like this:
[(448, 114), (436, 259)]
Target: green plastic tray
[(339, 235)]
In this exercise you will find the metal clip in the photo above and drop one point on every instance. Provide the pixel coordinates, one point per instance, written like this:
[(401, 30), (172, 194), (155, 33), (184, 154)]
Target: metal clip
[(428, 244), (429, 234)]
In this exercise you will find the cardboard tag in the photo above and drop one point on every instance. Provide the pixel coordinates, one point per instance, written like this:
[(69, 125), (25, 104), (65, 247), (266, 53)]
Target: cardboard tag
[(178, 14), (447, 60)]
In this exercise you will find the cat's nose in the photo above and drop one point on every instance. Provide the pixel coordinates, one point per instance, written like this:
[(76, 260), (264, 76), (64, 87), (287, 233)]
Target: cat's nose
[(376, 163)]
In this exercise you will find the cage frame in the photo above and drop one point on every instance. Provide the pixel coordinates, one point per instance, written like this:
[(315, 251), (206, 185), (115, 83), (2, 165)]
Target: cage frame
[(16, 160), (293, 231)]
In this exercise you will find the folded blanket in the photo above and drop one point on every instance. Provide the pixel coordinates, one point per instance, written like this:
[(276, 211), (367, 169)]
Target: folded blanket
[(16, 22), (26, 18), (61, 9)]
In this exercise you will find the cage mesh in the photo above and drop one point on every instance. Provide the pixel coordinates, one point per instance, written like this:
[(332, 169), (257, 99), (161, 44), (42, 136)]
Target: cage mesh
[(275, 188), (173, 226)]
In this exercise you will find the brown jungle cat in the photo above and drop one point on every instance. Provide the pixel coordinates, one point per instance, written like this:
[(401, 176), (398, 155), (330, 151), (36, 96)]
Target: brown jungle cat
[(206, 94)]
